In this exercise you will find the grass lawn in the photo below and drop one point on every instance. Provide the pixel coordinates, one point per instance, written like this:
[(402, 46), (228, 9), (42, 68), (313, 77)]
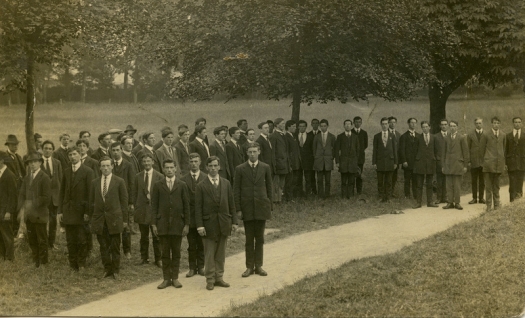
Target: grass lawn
[(25, 290)]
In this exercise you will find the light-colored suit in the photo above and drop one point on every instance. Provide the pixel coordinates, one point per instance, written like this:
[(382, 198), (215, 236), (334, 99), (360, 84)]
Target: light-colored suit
[(455, 159)]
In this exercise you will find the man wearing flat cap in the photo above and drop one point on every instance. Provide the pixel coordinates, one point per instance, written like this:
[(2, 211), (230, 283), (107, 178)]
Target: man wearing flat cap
[(8, 197), (34, 197)]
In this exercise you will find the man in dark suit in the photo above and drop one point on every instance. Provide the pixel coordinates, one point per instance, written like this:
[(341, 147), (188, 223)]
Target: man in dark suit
[(218, 149), (61, 152), (159, 144), (86, 136), (282, 161), (266, 153), (108, 203), (407, 157), (242, 124), (346, 153), (16, 165), (199, 122), (215, 217), (425, 164), (170, 207), (195, 245), (142, 188), (476, 162), (306, 152), (166, 151), (455, 161), (180, 128), (384, 159), (74, 208), (493, 146), (392, 122), (83, 146), (323, 147), (515, 159), (200, 145), (138, 147), (294, 182), (234, 151), (362, 135), (8, 205), (315, 130), (53, 168), (127, 154), (250, 137), (440, 177), (183, 151), (148, 140), (105, 142), (253, 199), (123, 169), (34, 198)]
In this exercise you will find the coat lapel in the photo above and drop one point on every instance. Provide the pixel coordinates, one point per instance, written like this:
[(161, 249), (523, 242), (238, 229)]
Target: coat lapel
[(209, 188), (76, 176), (36, 178), (259, 173)]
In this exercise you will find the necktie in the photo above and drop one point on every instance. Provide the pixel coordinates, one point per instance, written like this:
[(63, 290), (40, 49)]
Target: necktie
[(116, 165), (186, 147), (73, 168), (48, 169), (324, 139), (82, 160), (385, 138), (254, 171), (105, 188), (215, 183), (301, 139), (32, 177), (453, 136), (412, 134), (516, 137), (170, 185), (426, 139), (146, 181), (206, 147), (194, 177), (170, 152)]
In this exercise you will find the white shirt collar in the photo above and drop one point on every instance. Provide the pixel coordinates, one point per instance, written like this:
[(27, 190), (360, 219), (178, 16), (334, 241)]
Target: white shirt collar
[(256, 163), (495, 132), (119, 161), (166, 146), (516, 131), (35, 173), (348, 133), (413, 132), (148, 147), (199, 139), (172, 179), (444, 133), (196, 174), (65, 148), (75, 167), (83, 157), (211, 179), (127, 153), (149, 172), (105, 150), (357, 130), (479, 131), (234, 141)]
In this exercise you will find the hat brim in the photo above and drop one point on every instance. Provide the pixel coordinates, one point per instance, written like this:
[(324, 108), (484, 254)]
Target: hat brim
[(34, 159), (133, 130), (11, 143)]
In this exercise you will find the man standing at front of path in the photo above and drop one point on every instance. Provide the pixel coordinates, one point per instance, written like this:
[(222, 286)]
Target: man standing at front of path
[(515, 159), (493, 148), (476, 162), (282, 162), (53, 168), (215, 217), (108, 202), (323, 147), (253, 200), (170, 207), (347, 150), (407, 157), (8, 198), (440, 177), (362, 135), (384, 159), (455, 160), (425, 164)]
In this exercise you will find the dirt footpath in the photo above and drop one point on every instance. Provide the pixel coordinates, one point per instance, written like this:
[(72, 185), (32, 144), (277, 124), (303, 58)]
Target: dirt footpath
[(286, 261)]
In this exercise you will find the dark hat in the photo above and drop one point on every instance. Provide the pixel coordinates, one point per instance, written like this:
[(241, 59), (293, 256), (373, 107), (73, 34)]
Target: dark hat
[(5, 156), (34, 156), (130, 128), (277, 121), (11, 139)]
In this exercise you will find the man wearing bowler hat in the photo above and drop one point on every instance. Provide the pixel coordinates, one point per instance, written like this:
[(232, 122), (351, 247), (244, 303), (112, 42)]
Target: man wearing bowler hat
[(131, 131), (8, 197), (34, 197), (16, 165)]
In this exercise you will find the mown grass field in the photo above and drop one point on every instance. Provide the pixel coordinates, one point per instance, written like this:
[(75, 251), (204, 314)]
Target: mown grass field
[(25, 290)]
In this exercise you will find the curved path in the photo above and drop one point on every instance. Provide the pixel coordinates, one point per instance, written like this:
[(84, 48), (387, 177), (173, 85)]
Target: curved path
[(286, 261)]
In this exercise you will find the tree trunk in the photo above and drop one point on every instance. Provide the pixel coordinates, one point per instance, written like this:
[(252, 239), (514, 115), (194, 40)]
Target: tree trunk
[(67, 82), (135, 82), (126, 79), (9, 99), (83, 91), (296, 104), (44, 92), (438, 97), (30, 104)]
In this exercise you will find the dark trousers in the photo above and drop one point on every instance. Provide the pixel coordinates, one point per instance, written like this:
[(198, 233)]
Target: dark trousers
[(492, 189), (347, 185), (7, 249), (52, 227), (394, 181), (453, 188), (427, 178), (126, 240), (214, 258), (254, 231), (313, 181), (359, 180), (195, 249), (145, 229), (289, 186), (89, 237), (298, 183), (307, 175), (515, 184), (478, 183), (323, 183), (384, 184), (109, 250), (37, 238), (441, 185), (76, 239), (410, 183), (170, 245)]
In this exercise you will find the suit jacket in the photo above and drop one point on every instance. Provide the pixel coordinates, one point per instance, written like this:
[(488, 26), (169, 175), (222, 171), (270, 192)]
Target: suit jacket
[(18, 170), (407, 149), (113, 211), (98, 154), (61, 155), (158, 145), (493, 149), (294, 152), (170, 209), (455, 155), (93, 165), (384, 157), (74, 194), (235, 157), (142, 214), (192, 187), (216, 215), (324, 156), (306, 151), (8, 195), (163, 154), (216, 150), (346, 152), (125, 171), (56, 180), (193, 136), (363, 143), (266, 154), (476, 157), (153, 154), (183, 158), (515, 152), (134, 162), (136, 150), (39, 192), (253, 195), (196, 146), (425, 162), (440, 141), (280, 153)]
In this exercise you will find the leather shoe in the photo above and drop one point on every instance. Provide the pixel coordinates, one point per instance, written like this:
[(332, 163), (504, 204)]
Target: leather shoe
[(443, 201), (176, 283), (449, 206), (201, 271), (474, 201), (158, 264), (248, 272), (191, 273), (210, 286), (432, 205), (458, 206), (165, 283), (482, 201), (260, 271), (107, 274), (116, 276), (417, 206), (143, 262), (221, 283)]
